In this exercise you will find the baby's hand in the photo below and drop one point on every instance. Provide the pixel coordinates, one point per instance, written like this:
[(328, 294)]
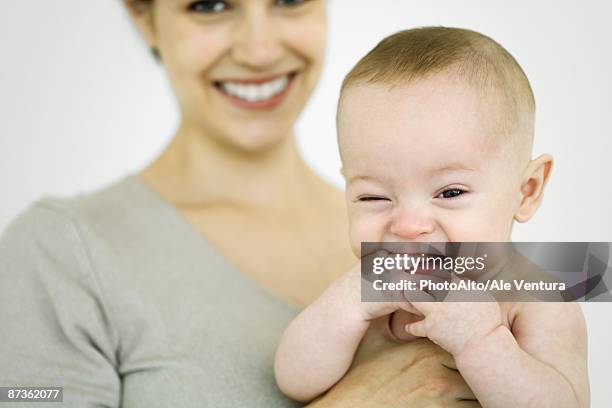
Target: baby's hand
[(454, 324), (347, 292)]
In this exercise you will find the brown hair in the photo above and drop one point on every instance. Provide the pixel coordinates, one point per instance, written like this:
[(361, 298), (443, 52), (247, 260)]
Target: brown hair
[(422, 52), (138, 4)]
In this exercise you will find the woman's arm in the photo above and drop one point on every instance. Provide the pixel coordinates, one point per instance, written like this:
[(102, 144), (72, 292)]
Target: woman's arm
[(54, 328)]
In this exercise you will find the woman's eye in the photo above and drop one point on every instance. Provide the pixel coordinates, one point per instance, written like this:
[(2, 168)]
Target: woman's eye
[(208, 6), (290, 3), (451, 193)]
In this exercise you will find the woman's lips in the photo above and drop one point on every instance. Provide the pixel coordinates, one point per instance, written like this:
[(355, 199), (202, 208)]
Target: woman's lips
[(255, 94)]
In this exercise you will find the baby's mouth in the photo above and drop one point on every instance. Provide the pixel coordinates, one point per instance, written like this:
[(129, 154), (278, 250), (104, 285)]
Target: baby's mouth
[(255, 90), (426, 264)]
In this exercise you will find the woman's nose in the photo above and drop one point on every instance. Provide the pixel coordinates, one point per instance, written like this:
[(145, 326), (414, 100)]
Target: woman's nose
[(257, 43), (411, 223)]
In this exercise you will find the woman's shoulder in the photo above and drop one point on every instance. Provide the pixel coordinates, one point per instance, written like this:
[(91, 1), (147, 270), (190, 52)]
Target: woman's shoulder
[(57, 224), (109, 203), (109, 206), (59, 241)]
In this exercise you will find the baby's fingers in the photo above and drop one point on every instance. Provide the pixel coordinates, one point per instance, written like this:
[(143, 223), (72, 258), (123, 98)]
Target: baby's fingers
[(417, 328)]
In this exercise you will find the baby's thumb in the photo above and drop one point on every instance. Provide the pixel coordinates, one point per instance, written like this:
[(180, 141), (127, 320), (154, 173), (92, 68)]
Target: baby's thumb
[(417, 328)]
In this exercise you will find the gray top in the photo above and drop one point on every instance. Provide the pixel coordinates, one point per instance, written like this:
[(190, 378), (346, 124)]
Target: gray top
[(117, 298)]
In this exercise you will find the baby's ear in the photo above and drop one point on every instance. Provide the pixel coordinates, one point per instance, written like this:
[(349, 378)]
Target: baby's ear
[(532, 187)]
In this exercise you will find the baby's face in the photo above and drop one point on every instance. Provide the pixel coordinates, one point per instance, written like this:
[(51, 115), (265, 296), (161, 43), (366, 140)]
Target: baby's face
[(423, 163)]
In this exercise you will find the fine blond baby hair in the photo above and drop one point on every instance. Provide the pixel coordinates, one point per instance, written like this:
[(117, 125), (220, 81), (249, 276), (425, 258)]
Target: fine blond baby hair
[(420, 53)]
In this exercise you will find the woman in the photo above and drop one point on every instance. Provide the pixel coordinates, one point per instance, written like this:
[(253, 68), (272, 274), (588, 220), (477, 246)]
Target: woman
[(172, 286)]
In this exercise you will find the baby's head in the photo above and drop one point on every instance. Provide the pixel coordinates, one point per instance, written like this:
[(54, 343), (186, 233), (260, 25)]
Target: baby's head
[(435, 127)]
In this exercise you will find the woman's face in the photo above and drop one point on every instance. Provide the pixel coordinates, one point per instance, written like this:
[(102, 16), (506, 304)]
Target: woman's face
[(242, 69)]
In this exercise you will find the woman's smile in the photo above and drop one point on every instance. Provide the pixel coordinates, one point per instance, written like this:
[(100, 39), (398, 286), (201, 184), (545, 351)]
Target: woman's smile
[(257, 93)]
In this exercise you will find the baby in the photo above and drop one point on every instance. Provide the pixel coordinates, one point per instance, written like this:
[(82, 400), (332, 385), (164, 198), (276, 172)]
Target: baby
[(435, 131)]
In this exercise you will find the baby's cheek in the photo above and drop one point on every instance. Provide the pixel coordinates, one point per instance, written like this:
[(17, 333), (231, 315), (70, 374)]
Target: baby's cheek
[(495, 226), (481, 226), (364, 228), (356, 238)]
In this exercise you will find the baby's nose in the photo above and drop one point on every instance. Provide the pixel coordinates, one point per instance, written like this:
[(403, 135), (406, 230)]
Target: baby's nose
[(411, 223)]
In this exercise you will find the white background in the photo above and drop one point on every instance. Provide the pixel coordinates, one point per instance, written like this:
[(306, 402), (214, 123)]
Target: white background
[(82, 103)]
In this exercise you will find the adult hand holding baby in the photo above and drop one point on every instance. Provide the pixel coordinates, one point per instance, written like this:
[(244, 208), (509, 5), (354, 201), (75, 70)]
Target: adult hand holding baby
[(390, 374)]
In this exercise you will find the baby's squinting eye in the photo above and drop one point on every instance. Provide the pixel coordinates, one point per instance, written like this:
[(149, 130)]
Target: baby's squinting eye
[(372, 198), (451, 193)]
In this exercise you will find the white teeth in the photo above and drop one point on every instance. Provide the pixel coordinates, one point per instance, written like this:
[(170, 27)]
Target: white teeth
[(256, 92)]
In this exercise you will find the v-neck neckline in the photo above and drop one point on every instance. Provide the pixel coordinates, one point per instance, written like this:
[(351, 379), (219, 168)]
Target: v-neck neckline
[(184, 224)]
